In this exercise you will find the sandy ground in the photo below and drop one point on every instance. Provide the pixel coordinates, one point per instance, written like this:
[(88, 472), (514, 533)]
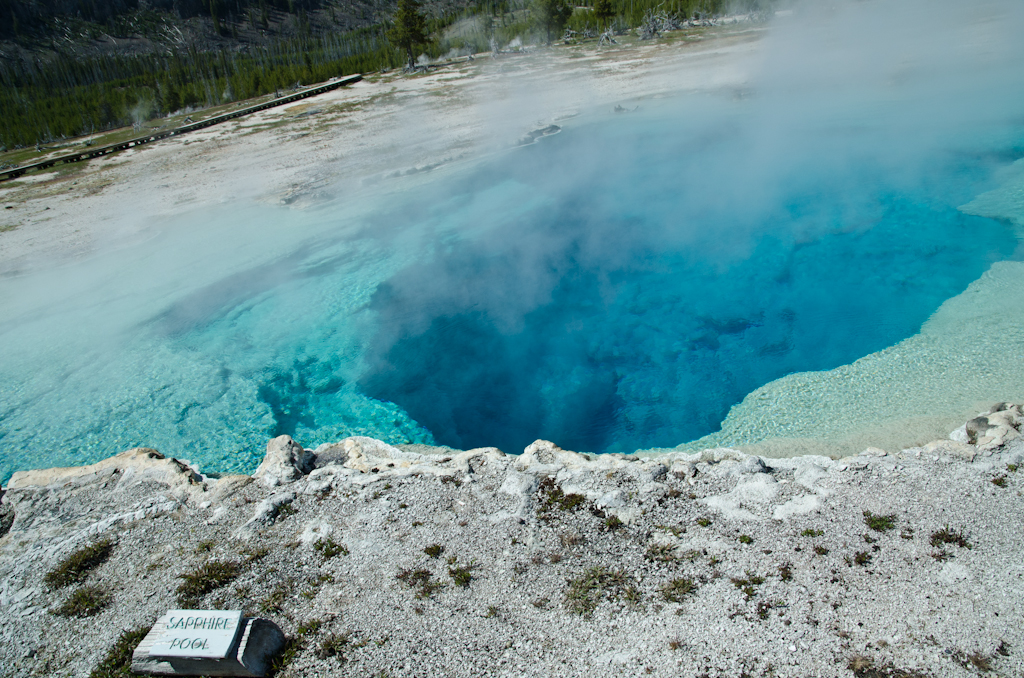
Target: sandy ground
[(345, 140)]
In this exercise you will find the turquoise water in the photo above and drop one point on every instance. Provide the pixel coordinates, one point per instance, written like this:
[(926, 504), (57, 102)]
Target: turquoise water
[(620, 285)]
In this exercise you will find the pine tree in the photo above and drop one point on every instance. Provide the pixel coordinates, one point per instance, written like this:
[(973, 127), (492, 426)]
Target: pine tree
[(551, 16), (409, 30), (603, 11)]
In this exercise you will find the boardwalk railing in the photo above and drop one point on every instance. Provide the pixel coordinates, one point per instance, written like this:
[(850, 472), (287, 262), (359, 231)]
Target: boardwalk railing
[(15, 172)]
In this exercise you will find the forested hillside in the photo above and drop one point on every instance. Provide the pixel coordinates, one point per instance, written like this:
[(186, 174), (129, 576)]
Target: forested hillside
[(71, 67)]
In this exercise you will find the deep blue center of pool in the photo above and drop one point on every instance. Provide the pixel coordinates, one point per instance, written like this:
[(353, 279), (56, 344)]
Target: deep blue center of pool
[(632, 308)]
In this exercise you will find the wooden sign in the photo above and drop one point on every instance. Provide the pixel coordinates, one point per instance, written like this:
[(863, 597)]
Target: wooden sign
[(207, 634), (208, 643)]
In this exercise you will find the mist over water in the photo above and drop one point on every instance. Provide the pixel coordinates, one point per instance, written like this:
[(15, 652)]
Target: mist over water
[(619, 285)]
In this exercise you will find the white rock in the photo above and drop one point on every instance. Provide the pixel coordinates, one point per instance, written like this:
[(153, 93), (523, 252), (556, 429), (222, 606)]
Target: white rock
[(284, 462)]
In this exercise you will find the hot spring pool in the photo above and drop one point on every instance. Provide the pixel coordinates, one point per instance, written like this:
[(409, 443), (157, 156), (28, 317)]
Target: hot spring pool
[(618, 286)]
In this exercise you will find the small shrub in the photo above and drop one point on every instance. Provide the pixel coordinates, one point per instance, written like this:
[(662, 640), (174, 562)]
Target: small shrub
[(999, 481), (209, 576), (675, 590), (786, 571), (434, 550), (907, 533), (703, 522), (746, 539), (118, 662), (492, 611), (862, 558), (811, 532), (590, 588), (76, 567), (949, 536), (85, 602), (821, 550), (328, 548), (612, 522), (285, 510), (879, 523), (1012, 468)]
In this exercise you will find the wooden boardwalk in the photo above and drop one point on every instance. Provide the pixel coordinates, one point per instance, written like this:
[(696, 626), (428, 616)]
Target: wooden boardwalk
[(15, 172)]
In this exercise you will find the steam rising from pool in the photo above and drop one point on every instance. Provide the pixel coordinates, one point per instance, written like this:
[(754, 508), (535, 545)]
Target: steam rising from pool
[(620, 285)]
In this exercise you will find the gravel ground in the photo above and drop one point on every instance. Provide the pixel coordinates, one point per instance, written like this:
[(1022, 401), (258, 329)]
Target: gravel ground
[(549, 563)]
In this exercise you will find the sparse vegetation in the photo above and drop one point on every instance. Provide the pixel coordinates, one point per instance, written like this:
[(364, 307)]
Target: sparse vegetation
[(663, 553), (1012, 468), (76, 567), (118, 662), (864, 667), (821, 550), (999, 481), (862, 558), (209, 576), (421, 580), (328, 548), (205, 546), (786, 571), (675, 590), (596, 584), (612, 522), (334, 646), (745, 539), (434, 550), (811, 532), (748, 584), (703, 522), (948, 535), (274, 602), (462, 575), (292, 648), (552, 497), (84, 602), (879, 523)]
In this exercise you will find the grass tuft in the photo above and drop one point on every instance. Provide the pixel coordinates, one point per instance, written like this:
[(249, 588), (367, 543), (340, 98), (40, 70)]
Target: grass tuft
[(675, 590), (209, 576), (76, 567), (949, 536), (434, 550), (811, 532), (329, 548), (879, 523), (118, 662), (85, 602), (662, 553), (590, 588), (334, 646), (422, 580)]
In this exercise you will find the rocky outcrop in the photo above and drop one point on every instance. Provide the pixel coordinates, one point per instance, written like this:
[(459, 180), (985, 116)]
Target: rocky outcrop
[(284, 462)]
